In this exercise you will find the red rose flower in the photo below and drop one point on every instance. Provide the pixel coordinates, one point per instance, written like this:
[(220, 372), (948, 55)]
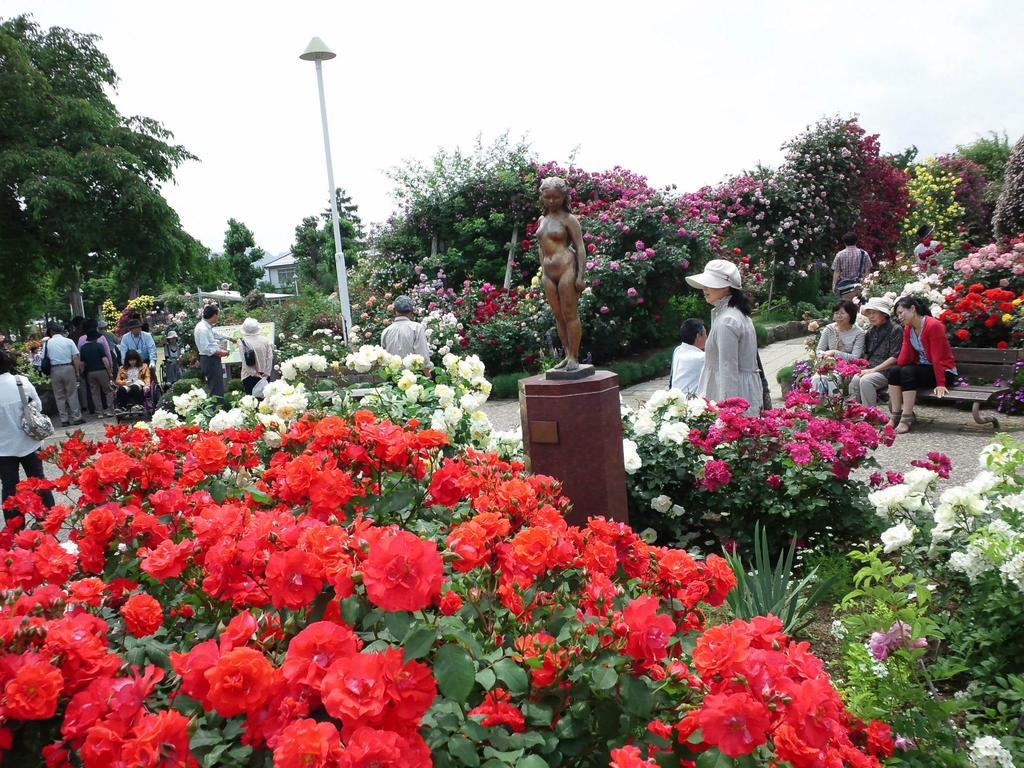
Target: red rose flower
[(649, 631), (240, 681), (880, 740), (451, 604), (143, 615), (294, 579), (33, 692), (720, 648), (735, 723), (403, 573), (496, 710), (963, 335), (211, 454), (308, 744), (315, 649)]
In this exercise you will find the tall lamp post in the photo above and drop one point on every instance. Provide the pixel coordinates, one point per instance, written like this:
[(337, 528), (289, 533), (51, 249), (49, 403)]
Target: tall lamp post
[(318, 52)]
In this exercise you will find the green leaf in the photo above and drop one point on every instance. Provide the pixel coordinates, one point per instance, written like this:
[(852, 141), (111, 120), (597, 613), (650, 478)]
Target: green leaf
[(398, 623), (513, 676), (463, 750), (455, 672), (637, 698), (603, 678), (714, 759), (532, 761), (486, 678), (419, 641), (203, 738)]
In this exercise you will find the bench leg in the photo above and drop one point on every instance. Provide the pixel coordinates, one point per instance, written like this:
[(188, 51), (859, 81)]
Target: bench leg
[(978, 418)]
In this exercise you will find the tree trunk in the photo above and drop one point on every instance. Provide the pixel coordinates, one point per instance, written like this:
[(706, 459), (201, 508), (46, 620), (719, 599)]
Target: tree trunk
[(133, 288), (511, 255), (75, 299)]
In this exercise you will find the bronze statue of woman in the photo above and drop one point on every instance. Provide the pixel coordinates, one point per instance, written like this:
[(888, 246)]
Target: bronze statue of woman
[(562, 258)]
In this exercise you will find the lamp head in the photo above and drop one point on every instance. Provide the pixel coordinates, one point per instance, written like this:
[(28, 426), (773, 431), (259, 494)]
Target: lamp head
[(317, 50)]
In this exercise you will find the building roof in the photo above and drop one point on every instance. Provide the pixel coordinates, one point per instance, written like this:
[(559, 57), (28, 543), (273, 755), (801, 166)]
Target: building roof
[(284, 260)]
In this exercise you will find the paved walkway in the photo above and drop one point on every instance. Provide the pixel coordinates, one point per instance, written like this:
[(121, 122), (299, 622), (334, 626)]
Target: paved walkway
[(947, 428)]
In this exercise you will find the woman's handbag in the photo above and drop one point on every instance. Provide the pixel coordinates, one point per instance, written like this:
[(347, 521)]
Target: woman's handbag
[(34, 422)]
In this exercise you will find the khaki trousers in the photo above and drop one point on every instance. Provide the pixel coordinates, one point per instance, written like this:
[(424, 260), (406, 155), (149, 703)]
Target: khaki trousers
[(864, 388), (65, 392), (99, 385)]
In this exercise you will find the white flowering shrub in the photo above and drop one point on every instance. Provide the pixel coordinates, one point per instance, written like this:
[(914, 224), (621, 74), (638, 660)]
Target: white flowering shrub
[(449, 400), (966, 544), (294, 366)]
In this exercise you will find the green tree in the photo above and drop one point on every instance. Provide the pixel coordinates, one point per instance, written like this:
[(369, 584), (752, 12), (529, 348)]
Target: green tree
[(313, 248), (241, 255), (79, 182)]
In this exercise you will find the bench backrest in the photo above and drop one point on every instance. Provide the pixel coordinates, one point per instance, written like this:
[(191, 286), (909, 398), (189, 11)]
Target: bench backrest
[(989, 365)]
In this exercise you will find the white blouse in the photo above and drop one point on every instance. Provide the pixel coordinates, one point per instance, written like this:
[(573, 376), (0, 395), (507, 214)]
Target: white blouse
[(14, 442)]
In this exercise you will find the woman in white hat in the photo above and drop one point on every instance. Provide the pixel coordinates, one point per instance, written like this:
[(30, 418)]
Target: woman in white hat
[(730, 354), (882, 345), (257, 355)]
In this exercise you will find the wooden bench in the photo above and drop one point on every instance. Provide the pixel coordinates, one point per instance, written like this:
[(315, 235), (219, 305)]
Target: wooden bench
[(983, 368)]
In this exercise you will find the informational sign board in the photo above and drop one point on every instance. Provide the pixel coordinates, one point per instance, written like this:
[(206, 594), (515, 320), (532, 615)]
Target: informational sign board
[(235, 332)]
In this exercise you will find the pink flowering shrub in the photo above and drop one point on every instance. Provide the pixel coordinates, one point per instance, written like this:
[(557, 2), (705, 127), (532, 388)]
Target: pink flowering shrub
[(997, 266), (708, 473)]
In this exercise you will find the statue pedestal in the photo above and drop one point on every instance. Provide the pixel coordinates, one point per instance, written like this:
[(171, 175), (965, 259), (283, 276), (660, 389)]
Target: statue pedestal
[(572, 431)]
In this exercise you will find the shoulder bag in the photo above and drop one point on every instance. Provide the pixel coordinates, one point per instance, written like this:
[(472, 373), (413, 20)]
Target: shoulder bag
[(45, 366), (34, 422), (249, 354)]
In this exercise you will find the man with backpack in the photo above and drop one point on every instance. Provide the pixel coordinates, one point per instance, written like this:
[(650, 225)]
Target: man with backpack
[(849, 268)]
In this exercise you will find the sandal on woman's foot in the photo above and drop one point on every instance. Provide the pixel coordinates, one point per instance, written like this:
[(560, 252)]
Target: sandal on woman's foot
[(894, 421), (904, 425)]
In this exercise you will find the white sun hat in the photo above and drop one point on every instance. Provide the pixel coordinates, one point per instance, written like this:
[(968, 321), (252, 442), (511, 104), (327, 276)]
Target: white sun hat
[(718, 273), (878, 304)]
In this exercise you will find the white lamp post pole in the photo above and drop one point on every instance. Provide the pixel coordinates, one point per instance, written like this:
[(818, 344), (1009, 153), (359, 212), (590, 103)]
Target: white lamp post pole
[(318, 53)]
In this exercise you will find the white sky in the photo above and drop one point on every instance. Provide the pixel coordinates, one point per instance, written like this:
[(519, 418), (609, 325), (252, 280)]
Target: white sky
[(684, 92)]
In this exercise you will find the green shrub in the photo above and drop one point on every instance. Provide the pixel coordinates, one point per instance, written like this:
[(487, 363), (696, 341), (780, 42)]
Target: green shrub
[(181, 386), (765, 590), (762, 335), (784, 374), (506, 386)]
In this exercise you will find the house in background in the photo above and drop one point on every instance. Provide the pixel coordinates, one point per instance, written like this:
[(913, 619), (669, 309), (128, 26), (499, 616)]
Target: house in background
[(282, 271)]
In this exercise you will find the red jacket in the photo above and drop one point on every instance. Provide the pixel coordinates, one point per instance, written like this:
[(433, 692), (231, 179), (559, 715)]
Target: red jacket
[(936, 346)]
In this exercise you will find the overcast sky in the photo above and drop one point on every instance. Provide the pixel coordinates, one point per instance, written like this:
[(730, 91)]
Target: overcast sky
[(683, 92)]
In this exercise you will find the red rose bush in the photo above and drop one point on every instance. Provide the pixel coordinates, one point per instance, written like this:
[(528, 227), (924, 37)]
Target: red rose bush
[(355, 598)]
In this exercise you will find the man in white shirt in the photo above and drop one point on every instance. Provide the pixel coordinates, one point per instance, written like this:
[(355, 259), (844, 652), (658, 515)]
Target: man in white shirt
[(405, 336), (208, 346), (65, 365), (688, 359)]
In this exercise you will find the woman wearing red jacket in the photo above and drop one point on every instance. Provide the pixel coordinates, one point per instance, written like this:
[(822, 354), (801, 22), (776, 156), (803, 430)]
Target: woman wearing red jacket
[(926, 360)]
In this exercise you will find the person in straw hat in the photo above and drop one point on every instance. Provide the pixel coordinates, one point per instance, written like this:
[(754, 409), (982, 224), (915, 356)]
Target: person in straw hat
[(882, 345), (730, 353)]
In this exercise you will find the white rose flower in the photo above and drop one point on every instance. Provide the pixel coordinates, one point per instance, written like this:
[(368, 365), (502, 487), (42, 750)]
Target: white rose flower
[(413, 361), (897, 537), (697, 406), (414, 393), (631, 456), (233, 419), (165, 419), (272, 439), (471, 401), (674, 432), (643, 424), (919, 479), (661, 504), (445, 395), (659, 398)]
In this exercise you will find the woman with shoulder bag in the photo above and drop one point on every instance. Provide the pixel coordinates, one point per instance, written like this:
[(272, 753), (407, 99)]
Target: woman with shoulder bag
[(18, 449), (257, 355)]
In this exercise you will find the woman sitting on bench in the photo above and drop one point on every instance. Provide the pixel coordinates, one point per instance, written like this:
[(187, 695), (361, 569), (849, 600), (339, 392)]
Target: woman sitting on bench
[(926, 360)]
